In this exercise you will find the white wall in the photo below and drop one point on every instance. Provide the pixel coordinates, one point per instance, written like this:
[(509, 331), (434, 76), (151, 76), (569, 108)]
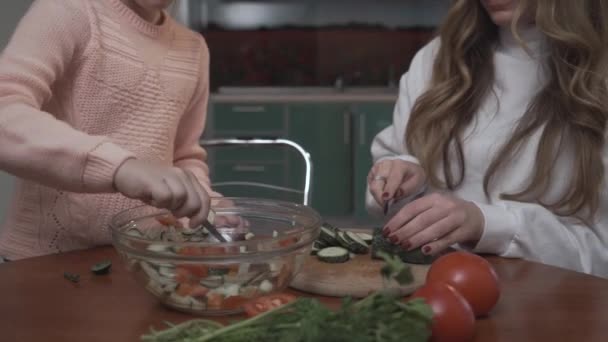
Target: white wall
[(10, 13)]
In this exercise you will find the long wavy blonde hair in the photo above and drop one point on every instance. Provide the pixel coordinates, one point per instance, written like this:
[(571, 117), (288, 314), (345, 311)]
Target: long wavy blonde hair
[(571, 108)]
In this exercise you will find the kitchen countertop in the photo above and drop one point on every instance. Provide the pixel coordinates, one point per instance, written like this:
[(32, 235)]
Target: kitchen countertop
[(304, 94)]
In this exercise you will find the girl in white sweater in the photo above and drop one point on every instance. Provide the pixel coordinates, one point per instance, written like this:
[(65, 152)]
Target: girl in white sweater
[(497, 141)]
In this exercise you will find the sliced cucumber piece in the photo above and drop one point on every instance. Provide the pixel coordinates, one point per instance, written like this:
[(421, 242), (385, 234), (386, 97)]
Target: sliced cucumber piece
[(216, 271), (167, 272), (102, 267), (356, 244), (134, 232), (352, 243), (328, 235), (333, 255), (320, 245), (212, 282), (368, 238), (340, 236)]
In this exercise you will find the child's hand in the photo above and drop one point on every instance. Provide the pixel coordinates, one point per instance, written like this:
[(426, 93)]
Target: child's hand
[(394, 179), (164, 187)]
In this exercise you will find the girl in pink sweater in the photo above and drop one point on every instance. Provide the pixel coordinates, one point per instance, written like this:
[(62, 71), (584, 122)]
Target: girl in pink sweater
[(102, 104)]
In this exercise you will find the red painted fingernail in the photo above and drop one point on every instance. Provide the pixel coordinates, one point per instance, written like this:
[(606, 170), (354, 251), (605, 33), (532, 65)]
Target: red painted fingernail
[(386, 231), (394, 239), (426, 249), (385, 195), (405, 245)]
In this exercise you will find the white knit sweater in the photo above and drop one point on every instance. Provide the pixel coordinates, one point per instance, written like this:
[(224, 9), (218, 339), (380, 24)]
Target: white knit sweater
[(512, 229)]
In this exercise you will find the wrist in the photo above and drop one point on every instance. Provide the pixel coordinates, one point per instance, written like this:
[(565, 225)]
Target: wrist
[(125, 165), (477, 223)]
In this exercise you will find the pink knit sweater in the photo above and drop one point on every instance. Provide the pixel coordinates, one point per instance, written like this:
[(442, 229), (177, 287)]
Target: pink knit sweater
[(85, 85)]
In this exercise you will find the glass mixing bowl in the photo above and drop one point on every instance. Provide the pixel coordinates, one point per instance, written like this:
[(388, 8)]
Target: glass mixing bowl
[(189, 270)]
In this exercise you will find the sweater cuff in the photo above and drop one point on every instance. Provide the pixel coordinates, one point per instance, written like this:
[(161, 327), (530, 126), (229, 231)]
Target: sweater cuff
[(102, 163), (499, 230)]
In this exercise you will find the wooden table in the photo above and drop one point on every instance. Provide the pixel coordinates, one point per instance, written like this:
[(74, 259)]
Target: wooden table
[(538, 303)]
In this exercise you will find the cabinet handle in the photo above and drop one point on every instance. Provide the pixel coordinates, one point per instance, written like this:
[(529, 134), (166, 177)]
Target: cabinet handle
[(362, 134), (248, 109), (249, 168)]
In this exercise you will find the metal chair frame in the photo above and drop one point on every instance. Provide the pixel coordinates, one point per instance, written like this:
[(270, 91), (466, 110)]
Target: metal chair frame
[(306, 193)]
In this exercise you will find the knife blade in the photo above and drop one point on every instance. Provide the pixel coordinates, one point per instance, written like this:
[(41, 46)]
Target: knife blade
[(208, 224), (386, 207)]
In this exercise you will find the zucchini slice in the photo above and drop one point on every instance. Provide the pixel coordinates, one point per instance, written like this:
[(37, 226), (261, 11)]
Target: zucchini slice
[(333, 255), (357, 245), (102, 267), (366, 237), (328, 235), (314, 249), (320, 244)]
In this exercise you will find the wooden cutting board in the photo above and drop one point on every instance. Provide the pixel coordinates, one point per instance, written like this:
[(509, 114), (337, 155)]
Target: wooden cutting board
[(354, 278)]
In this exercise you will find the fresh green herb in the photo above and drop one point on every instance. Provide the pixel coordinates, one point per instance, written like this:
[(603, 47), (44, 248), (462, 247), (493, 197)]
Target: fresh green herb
[(102, 267), (379, 317), (73, 277), (395, 269)]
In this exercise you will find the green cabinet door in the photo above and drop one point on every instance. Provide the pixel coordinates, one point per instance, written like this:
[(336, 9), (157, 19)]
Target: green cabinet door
[(246, 164), (324, 131), (368, 120)]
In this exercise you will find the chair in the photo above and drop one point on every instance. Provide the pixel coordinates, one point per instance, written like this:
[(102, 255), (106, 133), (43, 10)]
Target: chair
[(305, 193)]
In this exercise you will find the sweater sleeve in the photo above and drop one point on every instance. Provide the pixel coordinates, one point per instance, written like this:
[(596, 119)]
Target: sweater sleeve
[(527, 230), (34, 144), (390, 142), (189, 154)]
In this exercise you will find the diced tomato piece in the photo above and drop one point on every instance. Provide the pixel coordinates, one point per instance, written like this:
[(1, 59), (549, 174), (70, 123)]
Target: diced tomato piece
[(185, 275), (212, 250), (267, 303), (215, 300), (190, 250), (184, 289), (288, 242), (199, 291), (169, 221), (234, 302), (199, 271)]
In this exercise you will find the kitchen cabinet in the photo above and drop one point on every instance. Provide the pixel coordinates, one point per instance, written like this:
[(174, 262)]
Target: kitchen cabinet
[(248, 164), (368, 120), (324, 131)]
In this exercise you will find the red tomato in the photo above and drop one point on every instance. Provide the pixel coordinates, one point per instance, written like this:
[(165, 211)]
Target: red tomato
[(267, 303), (453, 318), (469, 274)]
